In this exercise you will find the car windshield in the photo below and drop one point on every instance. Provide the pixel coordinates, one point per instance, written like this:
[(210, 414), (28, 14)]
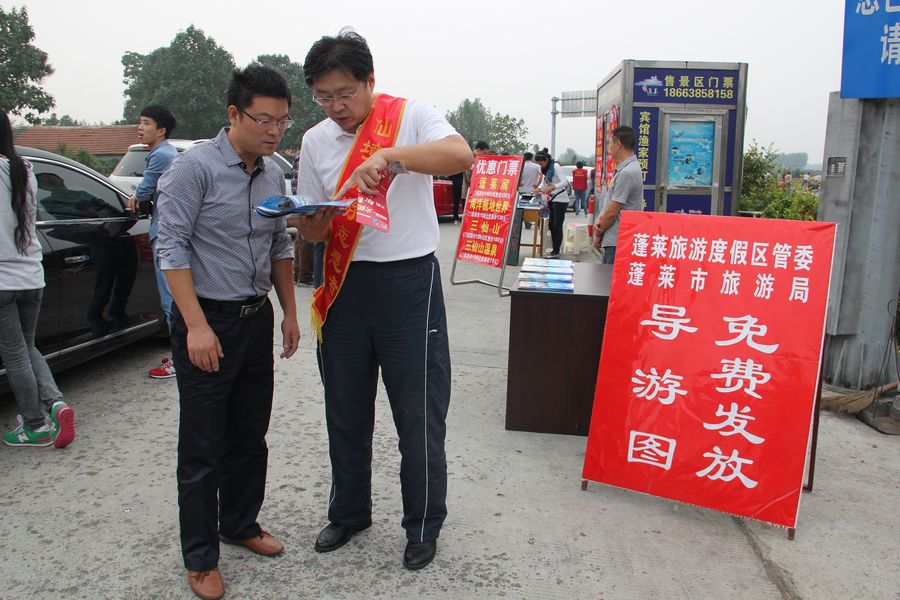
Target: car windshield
[(131, 165)]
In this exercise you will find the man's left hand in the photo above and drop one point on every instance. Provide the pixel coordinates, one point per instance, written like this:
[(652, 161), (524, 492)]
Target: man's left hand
[(290, 332)]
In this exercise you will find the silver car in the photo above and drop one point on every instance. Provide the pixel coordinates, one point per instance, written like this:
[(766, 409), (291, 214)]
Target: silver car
[(128, 173)]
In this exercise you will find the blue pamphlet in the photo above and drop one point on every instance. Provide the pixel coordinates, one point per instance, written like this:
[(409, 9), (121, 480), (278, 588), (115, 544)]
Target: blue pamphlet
[(549, 286), (279, 206), (527, 275)]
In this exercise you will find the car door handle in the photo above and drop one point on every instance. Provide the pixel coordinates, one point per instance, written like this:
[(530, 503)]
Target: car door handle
[(76, 260)]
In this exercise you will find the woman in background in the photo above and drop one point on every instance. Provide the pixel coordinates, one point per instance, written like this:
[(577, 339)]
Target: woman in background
[(21, 289)]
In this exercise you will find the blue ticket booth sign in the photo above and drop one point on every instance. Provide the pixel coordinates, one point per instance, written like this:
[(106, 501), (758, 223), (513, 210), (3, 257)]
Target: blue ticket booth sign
[(689, 121), (871, 61)]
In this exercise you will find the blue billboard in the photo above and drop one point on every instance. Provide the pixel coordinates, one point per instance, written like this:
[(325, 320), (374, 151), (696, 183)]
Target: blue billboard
[(871, 62), (686, 86)]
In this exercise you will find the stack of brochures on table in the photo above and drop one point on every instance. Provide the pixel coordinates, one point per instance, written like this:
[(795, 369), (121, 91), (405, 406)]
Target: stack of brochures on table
[(547, 274), (280, 206), (528, 204)]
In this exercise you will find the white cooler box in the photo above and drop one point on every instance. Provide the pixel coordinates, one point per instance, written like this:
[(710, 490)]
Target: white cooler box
[(577, 238)]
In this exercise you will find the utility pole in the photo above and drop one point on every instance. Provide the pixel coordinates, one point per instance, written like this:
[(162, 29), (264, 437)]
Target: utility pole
[(553, 113)]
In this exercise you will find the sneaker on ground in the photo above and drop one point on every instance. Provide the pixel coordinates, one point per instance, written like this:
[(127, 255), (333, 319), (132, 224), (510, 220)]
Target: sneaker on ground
[(165, 370), (63, 418), (551, 254), (22, 436)]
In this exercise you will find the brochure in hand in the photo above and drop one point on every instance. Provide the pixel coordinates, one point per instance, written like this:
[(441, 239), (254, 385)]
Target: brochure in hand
[(280, 206)]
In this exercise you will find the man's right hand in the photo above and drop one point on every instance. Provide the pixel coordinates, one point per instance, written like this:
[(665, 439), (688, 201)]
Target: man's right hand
[(204, 348), (315, 227), (132, 203)]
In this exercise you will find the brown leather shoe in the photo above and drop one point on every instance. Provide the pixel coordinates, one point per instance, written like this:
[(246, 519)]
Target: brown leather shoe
[(263, 544), (206, 584)]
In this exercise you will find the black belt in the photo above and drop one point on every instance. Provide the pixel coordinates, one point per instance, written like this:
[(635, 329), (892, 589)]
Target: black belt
[(393, 263), (241, 308)]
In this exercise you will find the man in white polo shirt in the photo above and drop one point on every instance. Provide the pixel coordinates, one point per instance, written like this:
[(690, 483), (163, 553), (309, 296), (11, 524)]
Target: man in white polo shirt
[(381, 305)]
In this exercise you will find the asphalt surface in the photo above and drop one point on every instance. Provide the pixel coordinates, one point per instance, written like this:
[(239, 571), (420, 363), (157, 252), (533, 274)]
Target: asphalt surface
[(99, 519)]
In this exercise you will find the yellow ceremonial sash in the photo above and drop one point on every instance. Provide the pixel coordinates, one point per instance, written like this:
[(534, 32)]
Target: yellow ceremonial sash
[(378, 131)]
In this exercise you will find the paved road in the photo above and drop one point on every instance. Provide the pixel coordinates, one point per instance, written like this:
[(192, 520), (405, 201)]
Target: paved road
[(99, 519)]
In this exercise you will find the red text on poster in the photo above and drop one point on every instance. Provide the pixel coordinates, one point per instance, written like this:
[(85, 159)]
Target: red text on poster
[(489, 210), (710, 362), (611, 164)]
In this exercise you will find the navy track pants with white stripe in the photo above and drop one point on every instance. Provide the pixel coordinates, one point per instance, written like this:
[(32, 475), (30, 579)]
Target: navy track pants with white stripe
[(388, 315)]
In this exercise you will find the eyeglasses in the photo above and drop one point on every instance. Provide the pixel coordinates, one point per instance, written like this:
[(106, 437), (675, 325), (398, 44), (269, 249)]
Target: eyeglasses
[(329, 100), (266, 123)]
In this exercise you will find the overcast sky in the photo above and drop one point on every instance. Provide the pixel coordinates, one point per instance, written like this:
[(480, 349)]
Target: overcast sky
[(515, 56)]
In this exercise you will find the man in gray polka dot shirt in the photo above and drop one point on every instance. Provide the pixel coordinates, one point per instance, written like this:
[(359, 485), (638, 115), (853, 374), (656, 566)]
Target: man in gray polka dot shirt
[(221, 259)]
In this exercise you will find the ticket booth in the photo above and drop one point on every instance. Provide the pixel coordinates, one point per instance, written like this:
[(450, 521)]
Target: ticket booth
[(688, 118)]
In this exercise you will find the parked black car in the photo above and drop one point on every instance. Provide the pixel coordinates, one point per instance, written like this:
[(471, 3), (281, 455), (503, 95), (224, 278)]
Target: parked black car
[(101, 290)]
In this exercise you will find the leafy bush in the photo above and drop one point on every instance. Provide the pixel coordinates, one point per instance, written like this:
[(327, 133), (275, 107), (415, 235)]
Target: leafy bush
[(760, 191), (101, 165), (794, 204), (758, 173)]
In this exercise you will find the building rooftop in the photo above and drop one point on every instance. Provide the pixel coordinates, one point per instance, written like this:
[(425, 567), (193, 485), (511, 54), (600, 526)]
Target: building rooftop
[(109, 140)]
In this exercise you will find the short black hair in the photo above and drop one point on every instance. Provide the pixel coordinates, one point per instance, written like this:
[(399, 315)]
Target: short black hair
[(347, 51), (528, 156), (579, 165), (542, 156), (162, 116), (253, 81), (625, 135), (482, 145)]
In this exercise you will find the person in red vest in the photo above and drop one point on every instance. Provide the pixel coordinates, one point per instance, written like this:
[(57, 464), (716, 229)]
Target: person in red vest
[(579, 187)]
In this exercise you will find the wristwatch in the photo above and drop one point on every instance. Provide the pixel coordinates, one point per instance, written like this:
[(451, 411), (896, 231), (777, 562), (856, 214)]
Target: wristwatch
[(397, 167)]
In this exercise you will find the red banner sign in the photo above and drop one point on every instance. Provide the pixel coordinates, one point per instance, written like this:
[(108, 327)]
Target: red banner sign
[(489, 210), (710, 361)]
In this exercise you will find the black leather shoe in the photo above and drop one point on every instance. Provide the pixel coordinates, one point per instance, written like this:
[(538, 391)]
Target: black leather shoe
[(419, 555), (334, 536)]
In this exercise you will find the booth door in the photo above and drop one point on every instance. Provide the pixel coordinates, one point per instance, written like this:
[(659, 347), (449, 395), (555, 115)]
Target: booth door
[(692, 161)]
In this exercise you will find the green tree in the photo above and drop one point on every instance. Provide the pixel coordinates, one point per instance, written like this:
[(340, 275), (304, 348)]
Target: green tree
[(63, 121), (190, 77), (507, 135), (22, 68), (760, 192), (758, 176), (474, 121), (304, 111)]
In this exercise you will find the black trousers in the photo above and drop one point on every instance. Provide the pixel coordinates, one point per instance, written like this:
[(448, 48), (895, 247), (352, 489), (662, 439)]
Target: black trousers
[(388, 315), (222, 452), (557, 218)]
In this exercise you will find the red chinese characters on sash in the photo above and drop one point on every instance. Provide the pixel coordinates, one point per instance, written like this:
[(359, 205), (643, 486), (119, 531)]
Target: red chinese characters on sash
[(378, 131)]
